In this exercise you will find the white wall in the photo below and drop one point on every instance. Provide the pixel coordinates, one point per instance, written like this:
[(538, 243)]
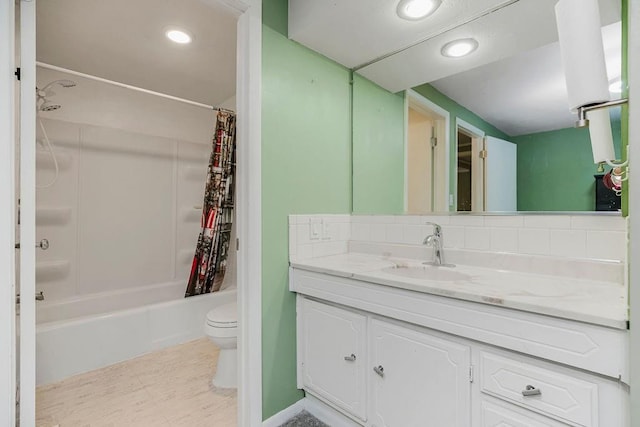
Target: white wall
[(132, 170)]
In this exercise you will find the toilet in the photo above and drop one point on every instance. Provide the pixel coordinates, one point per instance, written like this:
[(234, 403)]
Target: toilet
[(222, 328)]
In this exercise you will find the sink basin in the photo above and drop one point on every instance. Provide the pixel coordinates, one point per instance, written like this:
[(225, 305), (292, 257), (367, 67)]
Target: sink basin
[(428, 272)]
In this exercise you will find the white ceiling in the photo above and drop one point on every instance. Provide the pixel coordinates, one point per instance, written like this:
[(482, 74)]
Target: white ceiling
[(525, 93), (356, 32), (123, 40)]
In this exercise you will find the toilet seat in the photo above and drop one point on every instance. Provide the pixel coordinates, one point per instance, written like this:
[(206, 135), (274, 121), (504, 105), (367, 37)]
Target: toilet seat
[(224, 316)]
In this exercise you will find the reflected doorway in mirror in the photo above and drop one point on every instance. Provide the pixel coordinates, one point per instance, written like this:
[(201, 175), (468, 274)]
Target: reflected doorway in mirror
[(426, 156), (470, 171)]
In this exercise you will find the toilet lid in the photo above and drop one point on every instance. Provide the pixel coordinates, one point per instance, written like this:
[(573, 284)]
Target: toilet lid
[(224, 316)]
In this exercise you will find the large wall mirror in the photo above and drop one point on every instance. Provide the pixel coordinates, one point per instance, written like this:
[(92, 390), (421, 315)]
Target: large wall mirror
[(490, 131)]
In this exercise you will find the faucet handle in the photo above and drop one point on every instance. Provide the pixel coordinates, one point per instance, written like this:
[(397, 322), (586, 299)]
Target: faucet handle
[(436, 227)]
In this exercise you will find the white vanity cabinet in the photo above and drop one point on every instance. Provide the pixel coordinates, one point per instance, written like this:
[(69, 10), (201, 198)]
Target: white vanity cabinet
[(426, 361), (417, 379), (407, 375)]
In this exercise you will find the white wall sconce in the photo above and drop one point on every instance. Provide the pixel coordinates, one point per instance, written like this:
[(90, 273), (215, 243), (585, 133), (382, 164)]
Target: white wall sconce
[(580, 37)]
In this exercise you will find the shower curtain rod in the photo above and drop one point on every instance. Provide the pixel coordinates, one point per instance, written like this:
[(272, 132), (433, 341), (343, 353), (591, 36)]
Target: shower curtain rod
[(126, 86)]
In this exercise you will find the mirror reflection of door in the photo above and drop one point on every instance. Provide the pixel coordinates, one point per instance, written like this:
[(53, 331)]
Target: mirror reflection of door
[(465, 169), (500, 175), (470, 170), (426, 157)]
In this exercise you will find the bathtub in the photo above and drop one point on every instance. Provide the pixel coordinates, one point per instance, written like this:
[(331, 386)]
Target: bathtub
[(81, 334)]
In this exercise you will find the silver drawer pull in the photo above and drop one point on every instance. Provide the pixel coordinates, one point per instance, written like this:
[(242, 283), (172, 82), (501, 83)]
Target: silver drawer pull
[(351, 358), (531, 391), (379, 370)]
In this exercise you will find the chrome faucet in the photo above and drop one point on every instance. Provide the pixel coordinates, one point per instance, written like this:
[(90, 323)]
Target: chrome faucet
[(435, 240)]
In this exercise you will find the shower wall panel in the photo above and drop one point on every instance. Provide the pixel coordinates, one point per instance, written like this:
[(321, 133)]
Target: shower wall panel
[(57, 213), (123, 213)]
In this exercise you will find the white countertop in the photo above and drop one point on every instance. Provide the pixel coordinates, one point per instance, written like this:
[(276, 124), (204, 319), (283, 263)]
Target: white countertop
[(597, 302)]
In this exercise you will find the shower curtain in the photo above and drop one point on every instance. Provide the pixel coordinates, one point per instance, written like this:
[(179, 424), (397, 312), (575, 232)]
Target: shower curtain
[(210, 259)]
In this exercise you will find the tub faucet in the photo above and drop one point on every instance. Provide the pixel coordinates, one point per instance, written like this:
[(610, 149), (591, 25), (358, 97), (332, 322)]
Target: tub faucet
[(435, 240)]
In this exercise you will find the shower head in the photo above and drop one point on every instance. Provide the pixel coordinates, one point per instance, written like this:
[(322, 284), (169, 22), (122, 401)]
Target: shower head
[(64, 83), (44, 93), (49, 106)]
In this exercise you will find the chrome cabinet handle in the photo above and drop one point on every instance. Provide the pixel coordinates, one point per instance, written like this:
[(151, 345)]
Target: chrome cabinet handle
[(531, 391), (351, 358), (379, 370)]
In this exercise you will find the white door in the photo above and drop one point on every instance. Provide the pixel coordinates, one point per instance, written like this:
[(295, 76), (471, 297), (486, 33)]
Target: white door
[(426, 156), (27, 275), (500, 175), (7, 215), (417, 379), (333, 355)]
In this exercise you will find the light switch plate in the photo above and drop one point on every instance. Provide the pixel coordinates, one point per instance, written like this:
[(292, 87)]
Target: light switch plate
[(315, 228), (326, 230)]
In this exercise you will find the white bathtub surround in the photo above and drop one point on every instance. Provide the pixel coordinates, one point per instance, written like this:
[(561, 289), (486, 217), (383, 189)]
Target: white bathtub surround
[(69, 347), (101, 237), (103, 303)]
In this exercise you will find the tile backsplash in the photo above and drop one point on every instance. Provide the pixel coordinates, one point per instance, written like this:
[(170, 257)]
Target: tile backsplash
[(574, 236), (312, 236), (567, 236)]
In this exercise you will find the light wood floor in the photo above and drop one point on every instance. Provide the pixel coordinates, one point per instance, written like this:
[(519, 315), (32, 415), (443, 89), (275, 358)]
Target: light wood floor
[(170, 387)]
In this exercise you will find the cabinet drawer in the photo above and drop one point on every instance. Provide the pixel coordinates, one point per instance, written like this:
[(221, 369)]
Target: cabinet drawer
[(501, 416), (554, 394)]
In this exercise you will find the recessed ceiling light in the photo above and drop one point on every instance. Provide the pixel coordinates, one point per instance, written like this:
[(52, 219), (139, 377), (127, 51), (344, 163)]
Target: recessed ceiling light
[(178, 36), (615, 86), (417, 9), (459, 48)]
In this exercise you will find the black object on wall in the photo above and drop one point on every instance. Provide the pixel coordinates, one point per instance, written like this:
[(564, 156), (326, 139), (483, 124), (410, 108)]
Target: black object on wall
[(606, 200)]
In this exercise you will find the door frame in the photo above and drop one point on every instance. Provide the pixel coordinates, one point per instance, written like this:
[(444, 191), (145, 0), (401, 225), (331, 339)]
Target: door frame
[(249, 220), (477, 178), (7, 214), (633, 188), (249, 200), (27, 195), (413, 97)]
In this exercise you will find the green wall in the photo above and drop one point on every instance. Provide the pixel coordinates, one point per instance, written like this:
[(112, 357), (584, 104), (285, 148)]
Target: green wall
[(624, 125), (306, 168), (378, 149), (547, 159), (378, 144), (275, 15)]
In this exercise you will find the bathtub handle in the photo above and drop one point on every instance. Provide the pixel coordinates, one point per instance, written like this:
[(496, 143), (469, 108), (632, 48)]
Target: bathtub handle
[(42, 244), (39, 297)]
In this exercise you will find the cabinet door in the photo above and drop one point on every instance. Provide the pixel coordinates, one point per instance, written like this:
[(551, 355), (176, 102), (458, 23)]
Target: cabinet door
[(421, 380), (333, 355)]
